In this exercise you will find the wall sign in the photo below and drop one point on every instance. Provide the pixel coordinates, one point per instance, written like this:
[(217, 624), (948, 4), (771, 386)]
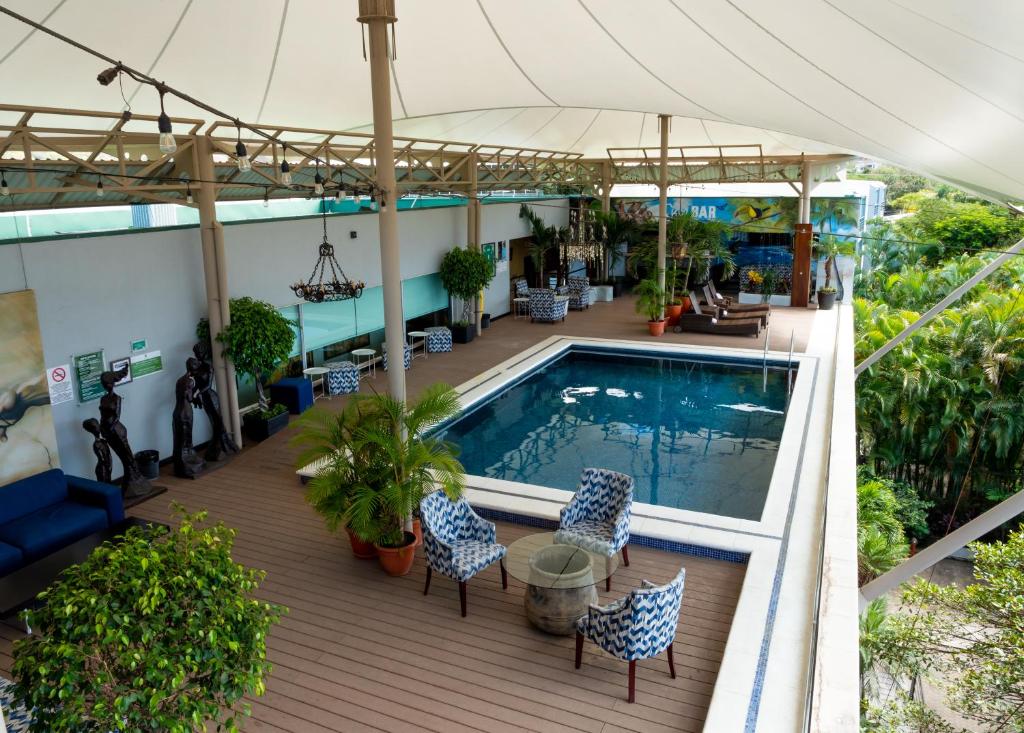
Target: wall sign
[(138, 345), (58, 380), (117, 365), (145, 364), (88, 369)]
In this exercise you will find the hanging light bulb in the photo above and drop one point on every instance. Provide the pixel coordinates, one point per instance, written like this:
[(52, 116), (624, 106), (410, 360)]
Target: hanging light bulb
[(163, 123), (339, 195), (188, 194), (383, 201), (241, 154), (286, 173), (318, 184), (4, 190), (266, 198), (99, 189)]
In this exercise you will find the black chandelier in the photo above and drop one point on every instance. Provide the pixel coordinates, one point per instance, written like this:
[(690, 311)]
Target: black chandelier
[(320, 288)]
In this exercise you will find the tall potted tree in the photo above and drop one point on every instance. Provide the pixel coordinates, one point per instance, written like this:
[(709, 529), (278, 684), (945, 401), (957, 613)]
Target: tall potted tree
[(465, 273), (257, 340), (162, 631)]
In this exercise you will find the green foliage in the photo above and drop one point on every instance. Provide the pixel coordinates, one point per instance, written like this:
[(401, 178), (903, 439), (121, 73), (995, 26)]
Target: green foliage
[(613, 231), (650, 299), (161, 632), (898, 181), (464, 273), (545, 238), (830, 247), (969, 640), (257, 340), (379, 462)]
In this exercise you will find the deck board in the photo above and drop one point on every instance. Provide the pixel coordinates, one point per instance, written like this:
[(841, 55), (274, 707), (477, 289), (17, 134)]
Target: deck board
[(360, 651)]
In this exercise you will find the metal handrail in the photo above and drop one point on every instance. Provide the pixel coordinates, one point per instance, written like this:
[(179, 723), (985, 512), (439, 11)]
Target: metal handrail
[(764, 360), (789, 363)]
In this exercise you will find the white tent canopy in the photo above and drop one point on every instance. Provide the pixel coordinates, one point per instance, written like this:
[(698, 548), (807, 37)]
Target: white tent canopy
[(933, 85)]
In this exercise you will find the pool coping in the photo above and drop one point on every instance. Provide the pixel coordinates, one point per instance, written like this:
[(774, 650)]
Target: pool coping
[(737, 699)]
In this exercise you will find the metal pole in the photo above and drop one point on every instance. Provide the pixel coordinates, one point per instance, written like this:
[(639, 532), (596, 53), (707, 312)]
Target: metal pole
[(217, 301), (1005, 511), (473, 233), (378, 16), (663, 122), (940, 306)]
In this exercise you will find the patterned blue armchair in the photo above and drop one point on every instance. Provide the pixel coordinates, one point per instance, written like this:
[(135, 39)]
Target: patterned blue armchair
[(597, 516), (458, 543), (522, 288), (640, 626), (18, 718), (579, 293), (544, 307)]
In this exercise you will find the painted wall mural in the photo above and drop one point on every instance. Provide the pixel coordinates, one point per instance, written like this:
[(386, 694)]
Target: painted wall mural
[(28, 442), (768, 214)]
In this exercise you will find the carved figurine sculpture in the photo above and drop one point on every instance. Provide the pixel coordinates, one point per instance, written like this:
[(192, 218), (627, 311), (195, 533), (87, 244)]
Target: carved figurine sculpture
[(221, 445), (133, 483), (101, 449), (186, 463)]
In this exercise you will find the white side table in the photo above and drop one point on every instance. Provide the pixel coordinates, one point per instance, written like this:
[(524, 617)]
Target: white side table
[(369, 363), (520, 307), (422, 336), (316, 377)]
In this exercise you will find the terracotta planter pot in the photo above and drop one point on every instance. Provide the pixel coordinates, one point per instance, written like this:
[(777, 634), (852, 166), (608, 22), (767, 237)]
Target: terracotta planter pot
[(362, 550), (687, 305), (398, 560), (673, 310), (417, 530), (657, 328)]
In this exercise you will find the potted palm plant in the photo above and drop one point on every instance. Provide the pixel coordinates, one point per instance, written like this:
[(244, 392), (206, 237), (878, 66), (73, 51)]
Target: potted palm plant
[(831, 247), (379, 465), (650, 301), (613, 231), (257, 340)]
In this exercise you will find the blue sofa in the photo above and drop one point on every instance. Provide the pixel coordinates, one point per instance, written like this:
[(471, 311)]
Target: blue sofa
[(48, 511)]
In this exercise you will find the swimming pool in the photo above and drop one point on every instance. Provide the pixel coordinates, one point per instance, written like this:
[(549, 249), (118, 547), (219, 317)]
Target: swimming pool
[(695, 433)]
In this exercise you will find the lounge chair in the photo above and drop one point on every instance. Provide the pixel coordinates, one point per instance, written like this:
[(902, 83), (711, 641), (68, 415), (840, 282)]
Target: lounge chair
[(547, 306), (712, 298), (700, 322), (727, 314)]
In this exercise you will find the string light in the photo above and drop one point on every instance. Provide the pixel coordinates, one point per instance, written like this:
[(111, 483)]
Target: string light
[(241, 154), (266, 198), (188, 194), (99, 189), (318, 184), (167, 142), (339, 195), (286, 173), (4, 190)]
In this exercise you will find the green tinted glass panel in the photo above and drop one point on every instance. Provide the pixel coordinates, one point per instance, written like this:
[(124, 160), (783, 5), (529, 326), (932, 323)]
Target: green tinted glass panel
[(422, 295), (328, 323)]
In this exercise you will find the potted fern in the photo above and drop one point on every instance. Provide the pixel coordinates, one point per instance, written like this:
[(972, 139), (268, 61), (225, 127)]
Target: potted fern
[(650, 302)]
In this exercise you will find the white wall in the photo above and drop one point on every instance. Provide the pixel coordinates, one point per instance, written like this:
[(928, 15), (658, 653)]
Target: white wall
[(101, 292)]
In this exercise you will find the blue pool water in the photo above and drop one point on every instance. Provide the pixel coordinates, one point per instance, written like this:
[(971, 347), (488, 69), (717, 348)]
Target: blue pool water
[(694, 435)]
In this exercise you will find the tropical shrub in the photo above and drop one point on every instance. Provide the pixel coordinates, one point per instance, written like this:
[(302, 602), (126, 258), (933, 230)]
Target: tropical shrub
[(545, 239), (464, 273), (650, 299), (161, 632), (257, 340)]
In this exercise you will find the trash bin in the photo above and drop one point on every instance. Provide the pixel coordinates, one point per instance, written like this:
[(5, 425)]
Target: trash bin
[(485, 320), (148, 462)]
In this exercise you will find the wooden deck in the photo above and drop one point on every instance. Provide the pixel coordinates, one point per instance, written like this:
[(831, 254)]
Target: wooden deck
[(360, 651)]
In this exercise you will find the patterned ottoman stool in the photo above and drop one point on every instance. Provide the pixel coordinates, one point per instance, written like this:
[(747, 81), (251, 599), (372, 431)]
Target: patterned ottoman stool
[(439, 338), (343, 377), (384, 356)]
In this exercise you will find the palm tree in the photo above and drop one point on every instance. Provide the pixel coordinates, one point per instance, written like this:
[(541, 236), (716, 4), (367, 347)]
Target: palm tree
[(380, 464), (613, 231), (545, 238)]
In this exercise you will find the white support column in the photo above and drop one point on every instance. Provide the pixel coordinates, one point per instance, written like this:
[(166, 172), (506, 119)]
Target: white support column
[(378, 16), (663, 123), (805, 194), (473, 215), (217, 298)]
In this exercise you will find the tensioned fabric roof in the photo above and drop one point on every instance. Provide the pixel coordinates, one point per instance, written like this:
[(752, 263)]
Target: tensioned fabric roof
[(933, 85)]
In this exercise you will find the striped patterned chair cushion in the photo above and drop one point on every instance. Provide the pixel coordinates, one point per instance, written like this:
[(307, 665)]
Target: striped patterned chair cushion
[(639, 626), (544, 307), (16, 717), (597, 516), (579, 293), (458, 543)]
